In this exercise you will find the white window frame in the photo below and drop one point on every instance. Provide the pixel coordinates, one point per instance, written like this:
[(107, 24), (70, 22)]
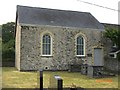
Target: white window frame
[(42, 45), (80, 34)]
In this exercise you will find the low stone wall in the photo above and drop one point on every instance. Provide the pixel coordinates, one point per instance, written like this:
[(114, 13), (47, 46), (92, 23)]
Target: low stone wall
[(8, 64), (112, 64), (75, 68)]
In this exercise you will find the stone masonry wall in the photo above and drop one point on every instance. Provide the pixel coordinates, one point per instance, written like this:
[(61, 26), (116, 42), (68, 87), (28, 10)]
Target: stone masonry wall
[(112, 64), (63, 47)]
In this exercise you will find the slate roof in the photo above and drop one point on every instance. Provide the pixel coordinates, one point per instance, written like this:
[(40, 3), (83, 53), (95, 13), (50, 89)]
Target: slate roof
[(54, 17)]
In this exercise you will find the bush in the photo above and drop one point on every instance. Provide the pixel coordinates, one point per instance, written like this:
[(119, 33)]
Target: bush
[(8, 51)]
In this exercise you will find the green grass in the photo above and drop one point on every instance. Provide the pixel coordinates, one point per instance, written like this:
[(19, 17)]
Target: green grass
[(12, 78)]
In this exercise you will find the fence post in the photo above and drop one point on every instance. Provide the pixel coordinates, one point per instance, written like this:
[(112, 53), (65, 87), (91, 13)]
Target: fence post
[(60, 84), (41, 79)]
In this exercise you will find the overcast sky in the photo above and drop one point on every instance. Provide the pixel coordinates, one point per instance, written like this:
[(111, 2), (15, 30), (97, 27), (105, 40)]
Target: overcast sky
[(8, 8)]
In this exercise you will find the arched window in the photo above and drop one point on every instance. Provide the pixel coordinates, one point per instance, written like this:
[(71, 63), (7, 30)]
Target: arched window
[(46, 44), (80, 46)]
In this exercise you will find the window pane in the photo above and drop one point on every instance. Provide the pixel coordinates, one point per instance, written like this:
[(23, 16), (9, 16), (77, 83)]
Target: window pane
[(43, 39), (80, 45), (46, 45), (44, 48)]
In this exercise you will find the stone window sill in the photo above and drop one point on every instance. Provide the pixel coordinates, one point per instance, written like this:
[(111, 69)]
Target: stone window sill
[(46, 56), (80, 56)]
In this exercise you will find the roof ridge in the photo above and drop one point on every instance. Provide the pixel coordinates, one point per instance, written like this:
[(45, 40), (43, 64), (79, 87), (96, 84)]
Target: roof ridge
[(52, 9)]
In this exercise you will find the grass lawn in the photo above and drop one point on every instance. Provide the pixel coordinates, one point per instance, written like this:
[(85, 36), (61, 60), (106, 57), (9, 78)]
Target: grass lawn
[(12, 78)]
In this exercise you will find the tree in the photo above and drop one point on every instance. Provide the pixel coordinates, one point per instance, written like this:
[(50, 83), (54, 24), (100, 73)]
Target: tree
[(113, 35), (8, 42), (8, 31), (0, 38)]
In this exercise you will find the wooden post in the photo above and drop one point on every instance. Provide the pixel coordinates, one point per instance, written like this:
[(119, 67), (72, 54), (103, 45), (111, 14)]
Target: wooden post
[(41, 79)]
